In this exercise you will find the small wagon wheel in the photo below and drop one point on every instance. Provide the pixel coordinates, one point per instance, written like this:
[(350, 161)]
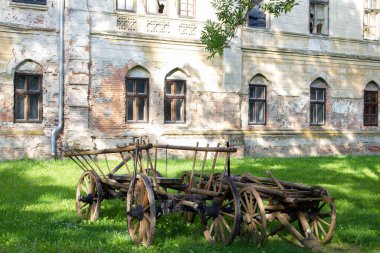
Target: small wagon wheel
[(221, 216), (322, 220), (141, 211), (89, 196), (254, 222), (189, 216)]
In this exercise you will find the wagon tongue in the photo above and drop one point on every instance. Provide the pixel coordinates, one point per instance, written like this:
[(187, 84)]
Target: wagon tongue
[(87, 199)]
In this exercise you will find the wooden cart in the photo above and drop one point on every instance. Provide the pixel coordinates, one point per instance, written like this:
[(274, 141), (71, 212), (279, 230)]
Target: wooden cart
[(307, 212), (147, 192), (229, 205)]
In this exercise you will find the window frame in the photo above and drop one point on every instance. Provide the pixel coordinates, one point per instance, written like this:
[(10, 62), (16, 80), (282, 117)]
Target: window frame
[(371, 104), (126, 10), (256, 100), (39, 2), (317, 102), (187, 4), (136, 95), (147, 7), (315, 4), (172, 97), (26, 92)]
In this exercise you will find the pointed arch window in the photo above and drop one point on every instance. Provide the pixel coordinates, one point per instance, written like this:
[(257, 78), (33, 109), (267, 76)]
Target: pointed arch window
[(27, 98), (175, 101), (257, 99), (318, 99), (371, 105)]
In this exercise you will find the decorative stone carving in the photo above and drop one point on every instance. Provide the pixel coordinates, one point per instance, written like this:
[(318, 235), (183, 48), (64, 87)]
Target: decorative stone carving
[(187, 29), (158, 26), (127, 24)]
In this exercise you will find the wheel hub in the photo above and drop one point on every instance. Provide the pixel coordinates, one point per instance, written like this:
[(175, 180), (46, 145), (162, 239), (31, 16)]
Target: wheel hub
[(137, 212), (89, 198)]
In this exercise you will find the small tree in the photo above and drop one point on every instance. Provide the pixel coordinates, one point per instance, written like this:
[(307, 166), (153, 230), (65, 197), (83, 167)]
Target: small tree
[(232, 14)]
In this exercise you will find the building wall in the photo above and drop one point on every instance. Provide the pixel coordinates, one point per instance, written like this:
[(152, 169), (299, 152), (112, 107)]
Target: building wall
[(104, 45)]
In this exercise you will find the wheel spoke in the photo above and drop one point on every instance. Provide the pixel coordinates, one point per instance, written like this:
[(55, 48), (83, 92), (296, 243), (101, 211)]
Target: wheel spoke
[(225, 223), (222, 231), (228, 214), (85, 204), (325, 222), (321, 228), (212, 226)]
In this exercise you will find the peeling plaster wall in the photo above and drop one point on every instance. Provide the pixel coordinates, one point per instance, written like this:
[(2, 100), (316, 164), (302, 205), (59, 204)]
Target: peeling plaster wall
[(103, 44)]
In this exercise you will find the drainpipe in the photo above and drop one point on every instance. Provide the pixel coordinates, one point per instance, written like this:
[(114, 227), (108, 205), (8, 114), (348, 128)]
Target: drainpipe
[(57, 129)]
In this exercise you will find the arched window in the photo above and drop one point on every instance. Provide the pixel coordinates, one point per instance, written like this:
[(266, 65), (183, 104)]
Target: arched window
[(175, 97), (257, 96), (318, 102), (371, 102), (28, 93), (137, 86)]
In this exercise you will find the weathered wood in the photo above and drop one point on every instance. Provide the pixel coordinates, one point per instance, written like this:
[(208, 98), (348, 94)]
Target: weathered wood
[(106, 151), (209, 149)]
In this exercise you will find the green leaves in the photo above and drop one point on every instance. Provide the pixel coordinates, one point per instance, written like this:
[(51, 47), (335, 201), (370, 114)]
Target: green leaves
[(232, 14)]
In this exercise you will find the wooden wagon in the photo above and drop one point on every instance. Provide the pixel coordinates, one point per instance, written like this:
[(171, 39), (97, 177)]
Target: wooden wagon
[(147, 192), (228, 205)]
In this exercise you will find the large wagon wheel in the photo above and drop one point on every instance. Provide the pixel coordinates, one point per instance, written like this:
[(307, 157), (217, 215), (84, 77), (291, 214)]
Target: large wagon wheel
[(189, 216), (141, 211), (89, 196), (254, 222), (322, 220), (221, 217)]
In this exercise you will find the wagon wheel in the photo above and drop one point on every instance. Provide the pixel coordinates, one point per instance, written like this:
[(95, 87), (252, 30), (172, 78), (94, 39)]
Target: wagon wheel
[(254, 222), (141, 212), (189, 216), (221, 216), (322, 220), (89, 196)]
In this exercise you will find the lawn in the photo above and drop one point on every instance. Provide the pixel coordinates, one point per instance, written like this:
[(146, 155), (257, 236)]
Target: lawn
[(37, 208)]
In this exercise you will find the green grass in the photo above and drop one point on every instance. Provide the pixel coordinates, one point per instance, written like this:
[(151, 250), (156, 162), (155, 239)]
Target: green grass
[(37, 208)]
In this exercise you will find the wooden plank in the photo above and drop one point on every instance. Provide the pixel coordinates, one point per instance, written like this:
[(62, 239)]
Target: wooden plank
[(106, 151), (190, 148)]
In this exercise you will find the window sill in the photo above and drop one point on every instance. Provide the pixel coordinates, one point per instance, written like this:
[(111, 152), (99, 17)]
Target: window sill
[(38, 7)]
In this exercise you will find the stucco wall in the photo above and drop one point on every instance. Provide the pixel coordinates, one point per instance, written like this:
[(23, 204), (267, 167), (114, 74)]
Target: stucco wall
[(103, 45)]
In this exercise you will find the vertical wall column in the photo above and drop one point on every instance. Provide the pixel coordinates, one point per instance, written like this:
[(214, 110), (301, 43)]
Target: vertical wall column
[(77, 60)]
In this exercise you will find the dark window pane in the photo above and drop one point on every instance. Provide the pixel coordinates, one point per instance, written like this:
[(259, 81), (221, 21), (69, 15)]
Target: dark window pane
[(251, 92), (256, 18), (20, 82), (251, 113), (30, 1), (20, 105), (366, 120), (367, 109), (179, 88), (313, 95), (130, 86), (130, 109), (34, 83), (260, 92), (321, 95), (366, 96), (374, 97), (313, 114), (374, 120), (168, 88), (168, 110), (141, 86), (320, 114), (141, 105), (374, 110), (33, 107), (179, 110), (260, 112)]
